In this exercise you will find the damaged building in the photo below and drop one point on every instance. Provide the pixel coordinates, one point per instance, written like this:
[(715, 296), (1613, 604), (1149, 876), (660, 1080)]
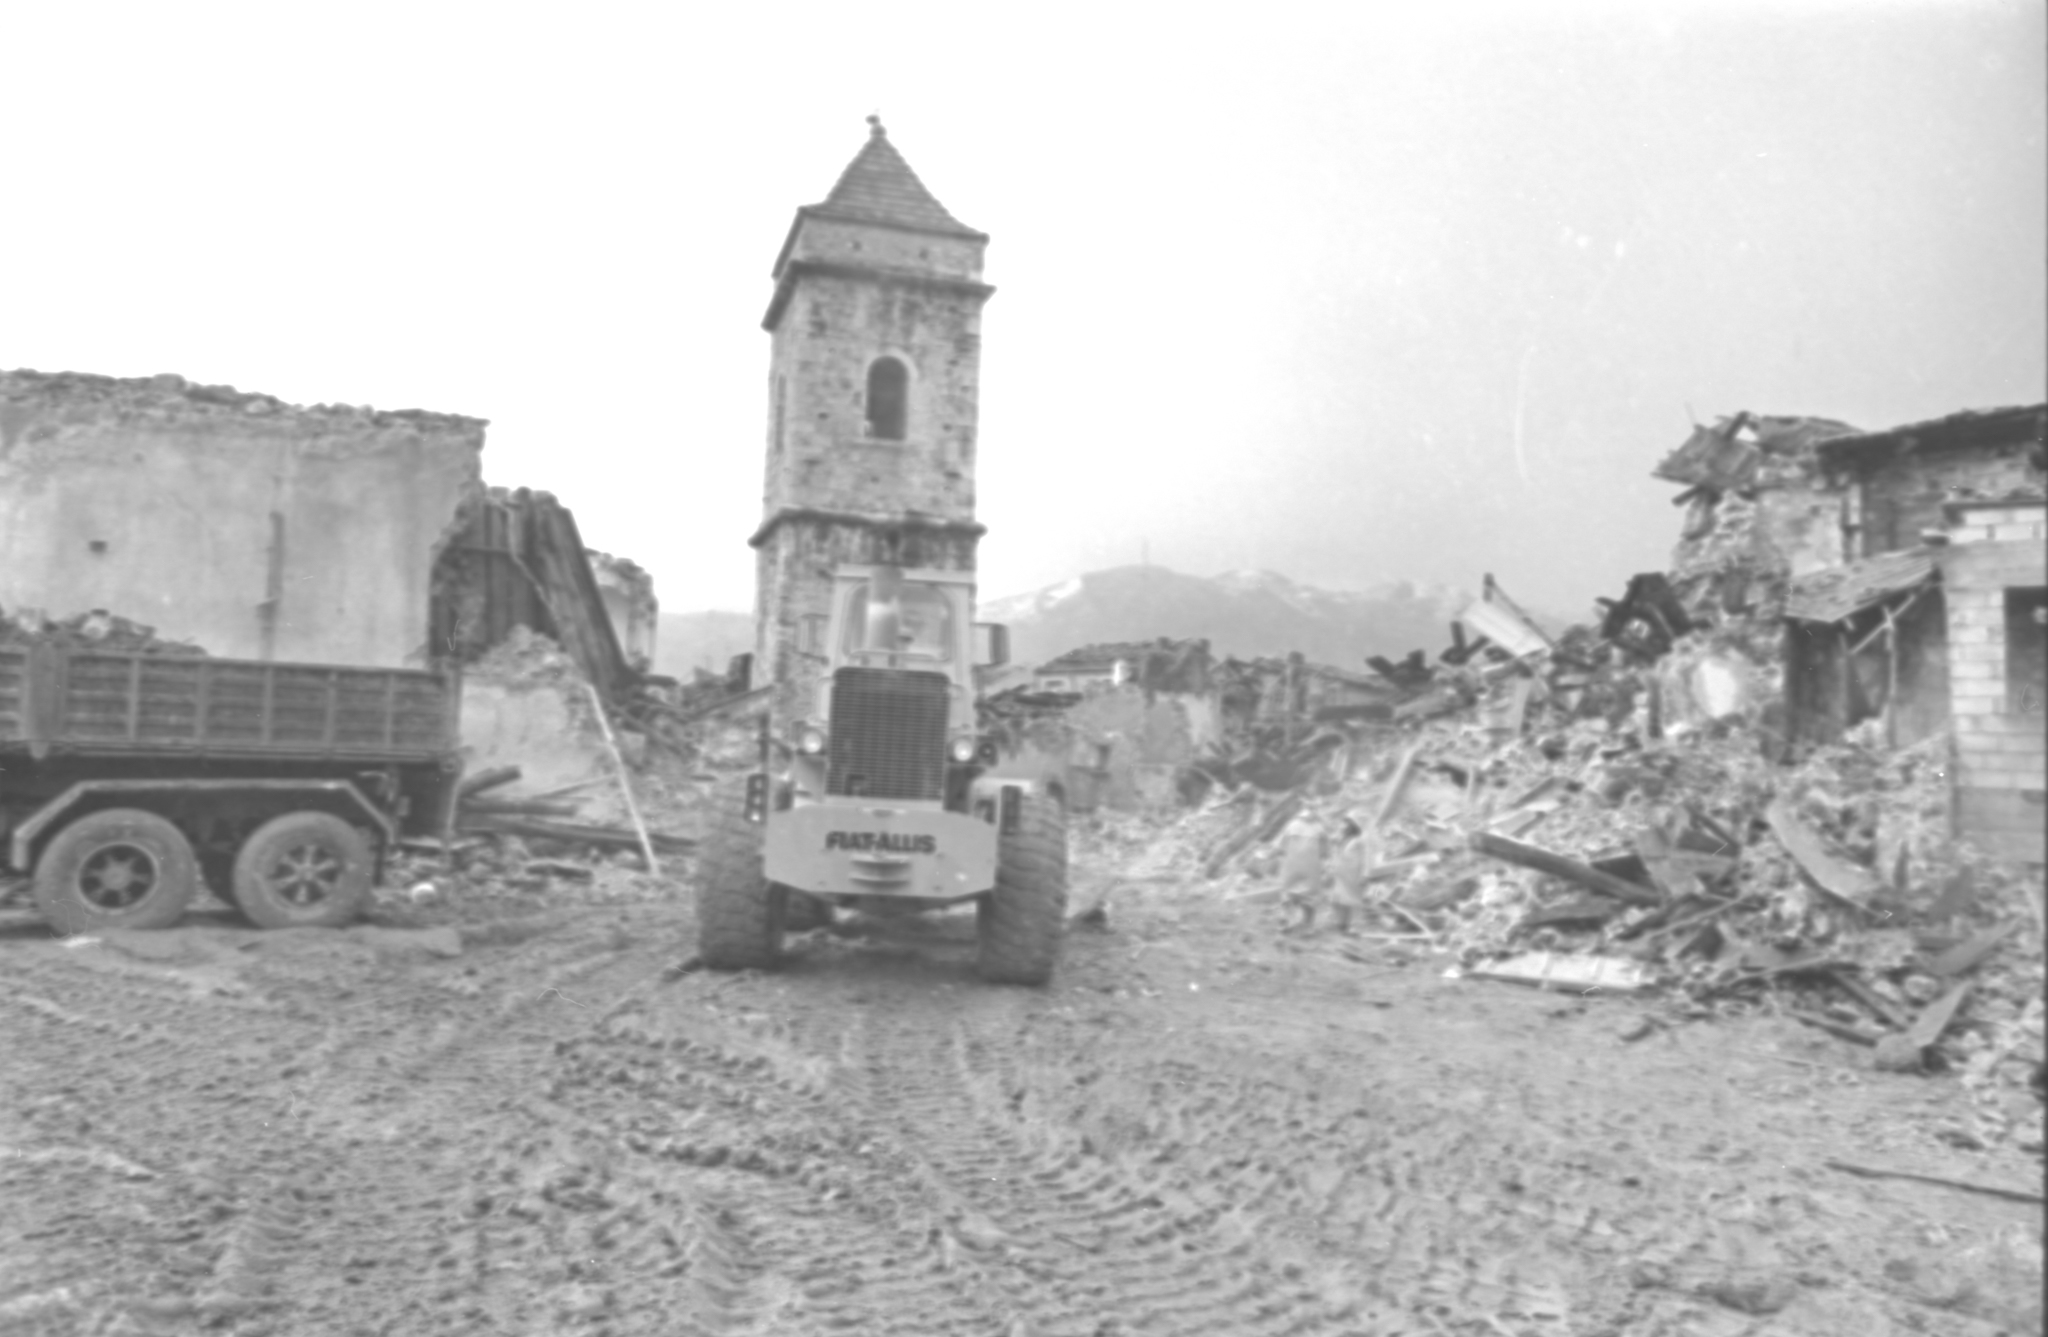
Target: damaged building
[(1905, 571), (517, 559), (246, 526), (250, 528)]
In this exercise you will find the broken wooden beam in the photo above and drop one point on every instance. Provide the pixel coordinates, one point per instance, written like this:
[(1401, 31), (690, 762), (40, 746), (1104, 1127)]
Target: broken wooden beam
[(494, 778), (1571, 870), (1908, 1052), (1254, 832), (1842, 880), (609, 837), (1966, 955), (1396, 786), (517, 808)]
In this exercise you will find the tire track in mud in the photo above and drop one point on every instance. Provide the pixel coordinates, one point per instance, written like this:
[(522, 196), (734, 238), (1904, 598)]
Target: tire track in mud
[(363, 1181), (798, 1218), (312, 1166), (1082, 1238), (98, 1052), (875, 1170)]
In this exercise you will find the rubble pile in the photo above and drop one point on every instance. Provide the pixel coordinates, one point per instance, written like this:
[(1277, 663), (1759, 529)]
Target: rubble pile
[(1593, 820), (96, 630)]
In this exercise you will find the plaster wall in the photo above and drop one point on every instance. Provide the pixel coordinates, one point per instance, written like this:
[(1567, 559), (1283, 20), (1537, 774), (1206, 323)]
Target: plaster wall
[(246, 526)]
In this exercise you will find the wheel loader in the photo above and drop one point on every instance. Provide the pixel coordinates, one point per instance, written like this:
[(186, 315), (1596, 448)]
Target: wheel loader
[(875, 795)]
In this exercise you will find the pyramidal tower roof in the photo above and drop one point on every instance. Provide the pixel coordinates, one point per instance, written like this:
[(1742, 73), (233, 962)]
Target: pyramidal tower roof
[(879, 187)]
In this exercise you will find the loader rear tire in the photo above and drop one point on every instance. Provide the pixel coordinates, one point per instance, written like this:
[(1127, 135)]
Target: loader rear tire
[(739, 912), (1020, 922)]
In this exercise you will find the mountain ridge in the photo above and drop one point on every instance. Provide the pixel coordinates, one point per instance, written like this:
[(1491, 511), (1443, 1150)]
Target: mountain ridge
[(1246, 613)]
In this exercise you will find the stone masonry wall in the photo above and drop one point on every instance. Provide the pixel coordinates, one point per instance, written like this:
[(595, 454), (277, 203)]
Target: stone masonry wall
[(2001, 749), (842, 241), (820, 454), (250, 527)]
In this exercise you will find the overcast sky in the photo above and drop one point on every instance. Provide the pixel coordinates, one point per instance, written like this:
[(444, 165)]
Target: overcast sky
[(1338, 290)]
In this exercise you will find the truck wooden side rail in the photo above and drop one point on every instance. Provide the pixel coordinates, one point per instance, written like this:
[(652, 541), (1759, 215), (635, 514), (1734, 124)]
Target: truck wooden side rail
[(127, 778), (54, 700)]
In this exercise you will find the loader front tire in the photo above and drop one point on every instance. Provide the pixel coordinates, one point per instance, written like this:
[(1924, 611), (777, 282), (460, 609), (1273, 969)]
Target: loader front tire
[(739, 912), (1020, 922)]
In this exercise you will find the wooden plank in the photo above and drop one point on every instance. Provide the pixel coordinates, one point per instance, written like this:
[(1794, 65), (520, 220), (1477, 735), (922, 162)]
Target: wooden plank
[(493, 778), (1571, 870), (1966, 955)]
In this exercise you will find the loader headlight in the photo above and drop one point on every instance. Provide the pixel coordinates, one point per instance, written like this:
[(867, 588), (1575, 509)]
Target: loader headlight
[(963, 750), (810, 740)]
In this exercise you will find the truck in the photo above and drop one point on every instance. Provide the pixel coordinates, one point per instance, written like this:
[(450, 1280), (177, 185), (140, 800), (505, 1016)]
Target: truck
[(130, 779), (875, 794)]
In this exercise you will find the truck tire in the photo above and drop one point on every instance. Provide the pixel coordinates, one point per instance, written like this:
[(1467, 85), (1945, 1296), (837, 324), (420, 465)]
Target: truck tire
[(303, 870), (1019, 923), (739, 912), (116, 868)]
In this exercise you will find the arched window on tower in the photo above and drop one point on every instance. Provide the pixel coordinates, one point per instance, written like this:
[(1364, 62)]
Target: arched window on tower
[(888, 399)]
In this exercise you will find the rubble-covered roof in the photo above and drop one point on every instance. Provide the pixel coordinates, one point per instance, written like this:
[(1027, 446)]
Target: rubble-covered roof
[(879, 187), (1971, 427), (1729, 455), (169, 396), (1831, 595)]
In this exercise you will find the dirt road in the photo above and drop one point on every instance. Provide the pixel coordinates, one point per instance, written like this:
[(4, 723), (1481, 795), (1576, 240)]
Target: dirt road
[(1199, 1129)]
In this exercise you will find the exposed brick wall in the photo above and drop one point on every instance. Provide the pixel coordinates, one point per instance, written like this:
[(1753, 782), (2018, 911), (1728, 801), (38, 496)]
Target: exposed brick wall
[(1904, 494), (2001, 747)]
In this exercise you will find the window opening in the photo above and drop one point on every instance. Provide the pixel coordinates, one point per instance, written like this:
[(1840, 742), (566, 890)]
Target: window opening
[(780, 391), (912, 621), (2026, 649), (888, 399)]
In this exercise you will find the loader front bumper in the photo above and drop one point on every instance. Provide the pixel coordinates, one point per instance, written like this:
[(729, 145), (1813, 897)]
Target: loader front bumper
[(869, 849)]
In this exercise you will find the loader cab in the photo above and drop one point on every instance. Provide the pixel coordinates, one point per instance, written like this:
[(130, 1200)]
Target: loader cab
[(892, 713)]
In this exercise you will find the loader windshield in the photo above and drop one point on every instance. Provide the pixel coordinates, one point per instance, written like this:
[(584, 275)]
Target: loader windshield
[(899, 620)]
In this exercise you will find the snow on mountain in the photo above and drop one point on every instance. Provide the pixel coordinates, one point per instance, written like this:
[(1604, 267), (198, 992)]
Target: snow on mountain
[(1033, 603), (1244, 613)]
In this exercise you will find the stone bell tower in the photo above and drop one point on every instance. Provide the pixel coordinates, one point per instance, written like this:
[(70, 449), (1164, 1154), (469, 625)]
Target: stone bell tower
[(872, 389)]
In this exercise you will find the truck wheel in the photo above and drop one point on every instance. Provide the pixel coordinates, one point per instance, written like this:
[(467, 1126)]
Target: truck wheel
[(118, 868), (303, 870), (739, 912), (1019, 923)]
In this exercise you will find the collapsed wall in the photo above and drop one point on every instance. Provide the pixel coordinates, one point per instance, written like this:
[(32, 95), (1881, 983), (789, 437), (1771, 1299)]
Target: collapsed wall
[(244, 525)]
